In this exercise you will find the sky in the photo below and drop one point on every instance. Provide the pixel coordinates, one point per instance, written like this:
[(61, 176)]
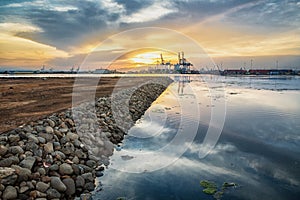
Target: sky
[(61, 34)]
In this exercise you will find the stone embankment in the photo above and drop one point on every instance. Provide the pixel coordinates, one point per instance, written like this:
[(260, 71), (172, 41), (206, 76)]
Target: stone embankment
[(60, 156)]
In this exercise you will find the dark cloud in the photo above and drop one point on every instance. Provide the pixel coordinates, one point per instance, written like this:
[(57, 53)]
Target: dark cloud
[(269, 14)]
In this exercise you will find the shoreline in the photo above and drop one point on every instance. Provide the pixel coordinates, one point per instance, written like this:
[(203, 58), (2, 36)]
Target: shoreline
[(58, 157)]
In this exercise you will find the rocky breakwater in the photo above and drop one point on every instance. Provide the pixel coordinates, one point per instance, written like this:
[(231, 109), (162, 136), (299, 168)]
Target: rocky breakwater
[(60, 156)]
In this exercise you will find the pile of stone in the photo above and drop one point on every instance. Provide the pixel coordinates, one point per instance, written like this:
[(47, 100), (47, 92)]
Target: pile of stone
[(60, 156)]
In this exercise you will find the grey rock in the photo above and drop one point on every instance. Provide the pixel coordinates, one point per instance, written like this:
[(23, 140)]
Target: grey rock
[(13, 138), (9, 180), (30, 185), (42, 171), (57, 184), (3, 150), (69, 183), (88, 177), (80, 181), (60, 155), (3, 138), (6, 171), (68, 148), (89, 186), (16, 150), (75, 160), (49, 129), (7, 162), (54, 167), (80, 154), (33, 138), (10, 192), (38, 152), (28, 162), (39, 129), (91, 163), (56, 146), (42, 140), (31, 146), (23, 189), (23, 173), (53, 194), (63, 130), (42, 187), (48, 147), (65, 169), (47, 136)]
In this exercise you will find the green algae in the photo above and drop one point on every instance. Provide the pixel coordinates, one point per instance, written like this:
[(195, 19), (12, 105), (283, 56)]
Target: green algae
[(210, 188)]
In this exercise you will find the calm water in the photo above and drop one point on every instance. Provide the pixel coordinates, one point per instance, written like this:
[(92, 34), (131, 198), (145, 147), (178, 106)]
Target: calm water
[(254, 121)]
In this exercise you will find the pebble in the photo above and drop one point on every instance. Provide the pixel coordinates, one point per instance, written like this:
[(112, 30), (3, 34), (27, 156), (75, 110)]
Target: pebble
[(42, 187), (65, 169), (28, 162), (57, 184), (69, 183), (10, 192), (49, 129), (48, 147)]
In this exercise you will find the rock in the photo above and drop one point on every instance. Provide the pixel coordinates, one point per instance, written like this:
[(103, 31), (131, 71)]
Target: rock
[(69, 183), (48, 147), (7, 162), (6, 171), (33, 138), (91, 163), (88, 177), (54, 167), (31, 146), (13, 138), (89, 186), (9, 180), (42, 187), (65, 169), (63, 130), (42, 171), (68, 148), (49, 129), (28, 162), (15, 150), (3, 150), (98, 174), (75, 160), (80, 181), (3, 138), (10, 192), (47, 136), (51, 123), (57, 184), (53, 194), (23, 189), (42, 140), (23, 173), (80, 154), (72, 136), (59, 155), (30, 185), (56, 146), (46, 179)]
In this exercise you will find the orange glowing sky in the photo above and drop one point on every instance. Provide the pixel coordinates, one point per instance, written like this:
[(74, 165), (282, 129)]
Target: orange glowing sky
[(62, 34)]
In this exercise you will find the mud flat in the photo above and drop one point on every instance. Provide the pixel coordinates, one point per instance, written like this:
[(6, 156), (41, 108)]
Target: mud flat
[(60, 155)]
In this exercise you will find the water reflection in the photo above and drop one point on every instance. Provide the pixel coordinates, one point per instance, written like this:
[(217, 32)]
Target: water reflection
[(258, 148)]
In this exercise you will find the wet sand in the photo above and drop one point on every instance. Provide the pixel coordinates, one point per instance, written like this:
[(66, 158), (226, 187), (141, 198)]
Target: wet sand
[(23, 100)]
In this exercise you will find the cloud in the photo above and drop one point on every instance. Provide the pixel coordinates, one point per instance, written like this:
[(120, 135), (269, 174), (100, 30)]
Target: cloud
[(155, 11)]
